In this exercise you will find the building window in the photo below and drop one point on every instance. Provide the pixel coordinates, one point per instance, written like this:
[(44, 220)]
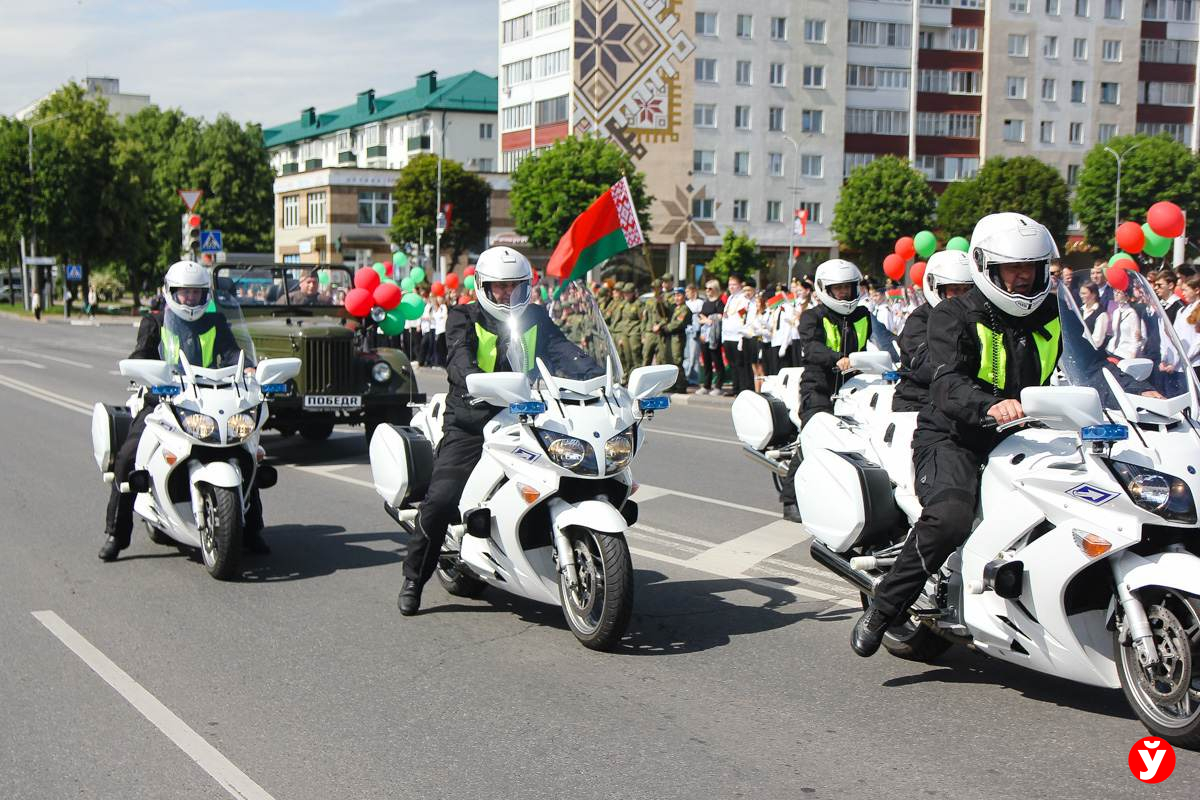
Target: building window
[(1072, 175), (814, 31), (745, 26), (1075, 132), (891, 78), (706, 70), (1112, 50), (487, 130), (518, 72), (1105, 131), (814, 77), (773, 210), (1046, 132), (812, 121), (775, 165), (1158, 93), (486, 165), (859, 76), (1077, 91), (510, 160), (775, 118), (702, 208), (704, 162), (706, 23), (947, 168), (776, 74), (779, 29), (291, 211), (852, 161), (1114, 9), (1014, 130), (869, 33), (1169, 51), (551, 110), (316, 209), (1015, 88), (814, 211), (1079, 49), (881, 121), (375, 208), (965, 82), (812, 166), (966, 39), (741, 163), (1018, 45), (742, 73), (517, 117), (1018, 6), (551, 64), (704, 115), (1110, 93), (1081, 8), (1050, 46), (517, 28), (552, 16), (1053, 8), (741, 210), (951, 125), (741, 117), (1049, 89)]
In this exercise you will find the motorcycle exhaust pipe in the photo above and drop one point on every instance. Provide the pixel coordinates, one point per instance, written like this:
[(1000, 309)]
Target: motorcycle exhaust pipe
[(841, 567), (769, 463)]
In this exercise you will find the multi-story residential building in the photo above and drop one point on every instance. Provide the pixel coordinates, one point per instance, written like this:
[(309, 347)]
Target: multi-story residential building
[(1167, 71), (109, 89)]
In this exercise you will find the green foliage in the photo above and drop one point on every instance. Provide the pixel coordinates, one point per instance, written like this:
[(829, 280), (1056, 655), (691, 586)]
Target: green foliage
[(416, 204), (107, 284), (1023, 184), (738, 253), (235, 173), (879, 203), (1159, 169), (554, 187), (14, 188)]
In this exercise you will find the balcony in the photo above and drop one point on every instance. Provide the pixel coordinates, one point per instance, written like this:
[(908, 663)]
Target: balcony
[(416, 143), (378, 151), (312, 163), (290, 169), (347, 157)]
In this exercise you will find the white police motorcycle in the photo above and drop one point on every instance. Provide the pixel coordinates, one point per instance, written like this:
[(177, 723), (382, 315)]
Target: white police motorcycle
[(199, 455), (544, 514)]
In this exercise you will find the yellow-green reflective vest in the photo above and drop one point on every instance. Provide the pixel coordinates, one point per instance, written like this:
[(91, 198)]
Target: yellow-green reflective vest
[(208, 340), (993, 358), (486, 351), (833, 334)]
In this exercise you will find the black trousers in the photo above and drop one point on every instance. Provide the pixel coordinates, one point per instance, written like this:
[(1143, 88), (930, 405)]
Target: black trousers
[(948, 487), (118, 519), (739, 366), (457, 455), (809, 405), (712, 366)]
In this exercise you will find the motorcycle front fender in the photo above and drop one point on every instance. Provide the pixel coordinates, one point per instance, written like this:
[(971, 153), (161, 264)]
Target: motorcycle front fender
[(594, 514), (1179, 571), (217, 473)]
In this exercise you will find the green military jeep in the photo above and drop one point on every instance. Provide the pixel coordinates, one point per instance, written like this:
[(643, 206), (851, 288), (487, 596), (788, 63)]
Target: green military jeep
[(294, 311)]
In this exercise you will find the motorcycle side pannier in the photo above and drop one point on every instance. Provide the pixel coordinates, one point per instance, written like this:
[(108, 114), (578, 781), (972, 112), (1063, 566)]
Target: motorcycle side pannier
[(110, 428), (761, 420), (401, 464), (845, 500)]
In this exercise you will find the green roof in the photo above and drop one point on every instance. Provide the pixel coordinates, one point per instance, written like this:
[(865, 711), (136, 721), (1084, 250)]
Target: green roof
[(470, 91)]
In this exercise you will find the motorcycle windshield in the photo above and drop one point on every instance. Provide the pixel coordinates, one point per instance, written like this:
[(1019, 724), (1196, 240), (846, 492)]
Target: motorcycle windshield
[(568, 333), (1133, 326), (214, 339)]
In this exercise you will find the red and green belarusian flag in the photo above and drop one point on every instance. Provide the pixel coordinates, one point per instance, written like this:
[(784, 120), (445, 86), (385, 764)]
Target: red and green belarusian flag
[(778, 300), (609, 226)]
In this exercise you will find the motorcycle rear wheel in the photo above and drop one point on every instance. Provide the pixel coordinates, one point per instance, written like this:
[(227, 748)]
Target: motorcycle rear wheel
[(221, 535), (1166, 698), (157, 535), (458, 582), (599, 608)]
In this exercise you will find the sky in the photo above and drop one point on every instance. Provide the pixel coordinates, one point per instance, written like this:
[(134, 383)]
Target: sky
[(256, 60)]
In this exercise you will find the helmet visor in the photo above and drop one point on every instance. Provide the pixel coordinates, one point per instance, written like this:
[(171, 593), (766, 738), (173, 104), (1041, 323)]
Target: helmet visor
[(192, 296), (511, 294)]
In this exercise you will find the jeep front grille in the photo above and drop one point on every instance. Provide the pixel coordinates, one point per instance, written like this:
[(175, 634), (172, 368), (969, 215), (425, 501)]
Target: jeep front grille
[(329, 366)]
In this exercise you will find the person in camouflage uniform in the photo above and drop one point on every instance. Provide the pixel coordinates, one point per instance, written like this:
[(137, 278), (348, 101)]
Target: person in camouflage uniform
[(629, 324), (675, 337), (653, 317)]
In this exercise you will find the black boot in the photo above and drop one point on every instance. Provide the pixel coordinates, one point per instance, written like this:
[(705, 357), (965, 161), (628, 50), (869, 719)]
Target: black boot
[(112, 545), (253, 542), (868, 632), (791, 512), (410, 597)]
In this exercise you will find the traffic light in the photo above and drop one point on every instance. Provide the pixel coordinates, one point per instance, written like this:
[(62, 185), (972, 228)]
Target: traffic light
[(191, 235)]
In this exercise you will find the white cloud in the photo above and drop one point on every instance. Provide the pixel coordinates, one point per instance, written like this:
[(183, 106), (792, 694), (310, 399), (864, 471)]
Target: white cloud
[(258, 60)]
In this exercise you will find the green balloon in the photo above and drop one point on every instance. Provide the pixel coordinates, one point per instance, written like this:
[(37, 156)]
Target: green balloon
[(408, 284), (958, 243), (412, 306), (925, 243), (388, 280), (469, 282), (323, 277), (393, 323), (1119, 256), (1156, 246), (399, 259), (417, 274), (379, 267)]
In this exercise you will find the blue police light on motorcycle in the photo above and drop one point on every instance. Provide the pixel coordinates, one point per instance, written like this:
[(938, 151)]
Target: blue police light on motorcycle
[(1110, 432), (654, 403), (274, 388), (532, 408), (891, 376), (164, 391)]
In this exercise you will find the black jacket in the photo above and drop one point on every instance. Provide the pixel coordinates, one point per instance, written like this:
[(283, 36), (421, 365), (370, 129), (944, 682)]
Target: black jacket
[(912, 392), (819, 361), (226, 348)]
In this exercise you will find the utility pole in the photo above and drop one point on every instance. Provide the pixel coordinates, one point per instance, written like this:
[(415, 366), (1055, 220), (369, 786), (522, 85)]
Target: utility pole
[(791, 258), (32, 224), (440, 217), (1117, 204)]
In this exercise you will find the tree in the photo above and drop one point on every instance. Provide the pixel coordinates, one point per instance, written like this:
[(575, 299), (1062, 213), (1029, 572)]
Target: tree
[(1023, 184), (235, 173), (14, 188), (1159, 169), (554, 187), (415, 216), (879, 203), (738, 253)]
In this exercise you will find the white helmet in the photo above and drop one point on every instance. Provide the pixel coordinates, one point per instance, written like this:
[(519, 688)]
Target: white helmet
[(187, 275), (945, 268), (506, 265), (834, 272), (1005, 239)]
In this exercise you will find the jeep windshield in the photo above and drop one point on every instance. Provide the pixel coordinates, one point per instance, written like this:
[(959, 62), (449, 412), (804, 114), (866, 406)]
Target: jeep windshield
[(288, 287)]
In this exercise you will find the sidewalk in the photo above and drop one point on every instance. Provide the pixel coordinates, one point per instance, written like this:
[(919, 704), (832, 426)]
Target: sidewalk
[(78, 320)]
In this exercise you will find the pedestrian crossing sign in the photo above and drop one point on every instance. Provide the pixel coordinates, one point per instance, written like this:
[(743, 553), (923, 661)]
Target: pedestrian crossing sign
[(210, 242)]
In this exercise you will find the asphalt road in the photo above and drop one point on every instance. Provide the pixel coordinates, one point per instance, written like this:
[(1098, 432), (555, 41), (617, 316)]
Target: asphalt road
[(145, 678)]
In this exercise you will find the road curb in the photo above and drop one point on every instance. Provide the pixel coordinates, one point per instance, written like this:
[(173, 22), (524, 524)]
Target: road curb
[(76, 321)]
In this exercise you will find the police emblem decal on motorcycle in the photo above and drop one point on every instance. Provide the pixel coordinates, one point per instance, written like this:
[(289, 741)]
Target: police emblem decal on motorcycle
[(521, 452), (1090, 494)]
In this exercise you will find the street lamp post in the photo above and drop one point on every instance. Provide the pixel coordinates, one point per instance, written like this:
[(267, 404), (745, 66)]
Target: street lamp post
[(1117, 204), (439, 216), (792, 222), (25, 296)]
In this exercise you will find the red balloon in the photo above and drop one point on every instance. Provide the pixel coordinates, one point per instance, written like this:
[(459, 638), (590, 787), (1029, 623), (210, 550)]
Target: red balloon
[(387, 296), (1130, 237), (905, 248), (916, 273), (469, 271), (367, 279), (1117, 276), (1166, 219), (359, 301), (535, 280), (1127, 263), (389, 268), (452, 281), (893, 267), (437, 289), (464, 300)]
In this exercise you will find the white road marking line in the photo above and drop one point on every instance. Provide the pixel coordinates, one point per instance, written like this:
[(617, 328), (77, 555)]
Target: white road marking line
[(713, 439), (327, 472), (33, 391), (207, 757), (742, 552), (48, 357), (22, 362), (659, 490)]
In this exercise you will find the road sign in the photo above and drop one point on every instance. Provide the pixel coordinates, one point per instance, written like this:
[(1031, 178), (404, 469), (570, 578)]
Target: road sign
[(190, 197), (210, 242), (74, 272), (40, 261)]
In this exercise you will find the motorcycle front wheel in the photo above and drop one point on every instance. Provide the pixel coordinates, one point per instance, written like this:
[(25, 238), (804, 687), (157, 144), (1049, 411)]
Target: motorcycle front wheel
[(221, 533), (1166, 696), (599, 607)]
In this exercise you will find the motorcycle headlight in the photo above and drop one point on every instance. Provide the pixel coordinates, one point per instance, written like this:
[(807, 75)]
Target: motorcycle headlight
[(568, 452), (1167, 496), (618, 452), (240, 426), (199, 426), (381, 372)]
